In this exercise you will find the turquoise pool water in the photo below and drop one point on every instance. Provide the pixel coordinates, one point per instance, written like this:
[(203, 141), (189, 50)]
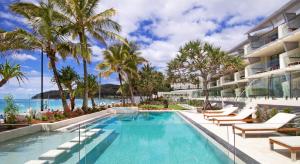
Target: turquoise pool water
[(140, 138), (22, 149), (147, 138)]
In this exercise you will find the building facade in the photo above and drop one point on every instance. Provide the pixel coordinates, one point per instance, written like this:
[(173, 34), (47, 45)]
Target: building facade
[(272, 56)]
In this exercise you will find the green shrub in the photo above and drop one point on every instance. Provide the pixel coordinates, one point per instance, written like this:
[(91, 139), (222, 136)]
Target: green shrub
[(150, 107), (262, 114), (272, 113), (45, 118), (197, 103), (58, 116), (287, 110), (28, 119), (11, 110)]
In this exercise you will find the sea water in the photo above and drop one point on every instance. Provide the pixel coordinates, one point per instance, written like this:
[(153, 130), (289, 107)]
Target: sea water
[(52, 104)]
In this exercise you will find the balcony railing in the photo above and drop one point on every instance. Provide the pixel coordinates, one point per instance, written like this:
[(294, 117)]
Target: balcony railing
[(259, 41), (290, 59), (262, 67), (239, 75), (228, 93), (290, 26)]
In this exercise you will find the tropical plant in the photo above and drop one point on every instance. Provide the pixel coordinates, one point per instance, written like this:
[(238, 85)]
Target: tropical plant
[(83, 21), (135, 61), (11, 110), (203, 60), (92, 85), (150, 81), (69, 79), (9, 71), (46, 34), (122, 60)]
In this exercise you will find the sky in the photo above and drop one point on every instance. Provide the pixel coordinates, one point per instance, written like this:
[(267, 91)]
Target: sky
[(160, 27)]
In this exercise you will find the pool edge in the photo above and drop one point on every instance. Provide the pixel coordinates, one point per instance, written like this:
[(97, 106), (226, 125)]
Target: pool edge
[(243, 157)]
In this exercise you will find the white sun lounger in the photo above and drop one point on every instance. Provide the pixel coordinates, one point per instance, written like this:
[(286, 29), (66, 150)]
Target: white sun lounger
[(292, 143), (227, 112), (67, 145), (239, 117), (76, 139), (52, 155), (37, 162), (221, 110), (273, 124)]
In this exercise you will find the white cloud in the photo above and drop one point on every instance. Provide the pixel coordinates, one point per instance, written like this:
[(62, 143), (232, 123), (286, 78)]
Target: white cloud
[(30, 87), (180, 21), (12, 17), (23, 57), (97, 53)]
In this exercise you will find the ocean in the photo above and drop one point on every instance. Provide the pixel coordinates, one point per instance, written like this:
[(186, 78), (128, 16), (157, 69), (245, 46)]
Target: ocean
[(55, 104)]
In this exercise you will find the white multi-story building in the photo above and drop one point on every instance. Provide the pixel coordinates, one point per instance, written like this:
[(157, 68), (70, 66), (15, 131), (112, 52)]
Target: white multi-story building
[(272, 54)]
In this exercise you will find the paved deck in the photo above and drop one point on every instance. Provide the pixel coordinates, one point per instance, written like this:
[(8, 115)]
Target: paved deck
[(255, 146)]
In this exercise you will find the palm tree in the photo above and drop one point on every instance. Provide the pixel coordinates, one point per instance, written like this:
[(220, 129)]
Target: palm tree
[(135, 60), (92, 85), (83, 22), (46, 34), (9, 71), (93, 88), (115, 61), (69, 78)]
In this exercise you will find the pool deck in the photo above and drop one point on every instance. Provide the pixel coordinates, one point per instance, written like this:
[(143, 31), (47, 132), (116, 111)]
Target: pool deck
[(256, 147)]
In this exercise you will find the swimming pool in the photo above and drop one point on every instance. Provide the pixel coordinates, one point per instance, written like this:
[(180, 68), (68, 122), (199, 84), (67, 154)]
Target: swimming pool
[(147, 137), (144, 137)]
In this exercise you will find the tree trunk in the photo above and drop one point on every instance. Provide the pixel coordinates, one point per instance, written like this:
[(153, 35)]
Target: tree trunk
[(72, 98), (85, 90), (93, 103), (84, 54), (72, 102), (56, 77), (121, 86), (206, 105), (131, 93), (2, 82)]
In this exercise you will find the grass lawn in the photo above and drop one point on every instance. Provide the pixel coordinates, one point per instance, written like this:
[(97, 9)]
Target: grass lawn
[(174, 107)]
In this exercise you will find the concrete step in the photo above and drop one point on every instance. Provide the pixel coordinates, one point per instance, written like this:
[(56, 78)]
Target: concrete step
[(37, 162), (67, 145), (52, 155)]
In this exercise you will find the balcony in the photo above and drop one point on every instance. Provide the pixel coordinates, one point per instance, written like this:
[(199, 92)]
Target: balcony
[(212, 84), (228, 92), (287, 28), (262, 67), (240, 92), (218, 83), (259, 41), (290, 59), (239, 76), (227, 79)]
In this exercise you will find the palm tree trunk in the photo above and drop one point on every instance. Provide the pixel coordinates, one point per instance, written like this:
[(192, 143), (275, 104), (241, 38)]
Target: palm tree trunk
[(56, 77), (85, 90), (121, 85), (2, 82), (93, 102), (131, 93), (206, 94), (72, 98), (84, 53)]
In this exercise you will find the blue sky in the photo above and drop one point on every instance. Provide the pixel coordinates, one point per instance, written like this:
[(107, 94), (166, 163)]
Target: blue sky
[(160, 28)]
